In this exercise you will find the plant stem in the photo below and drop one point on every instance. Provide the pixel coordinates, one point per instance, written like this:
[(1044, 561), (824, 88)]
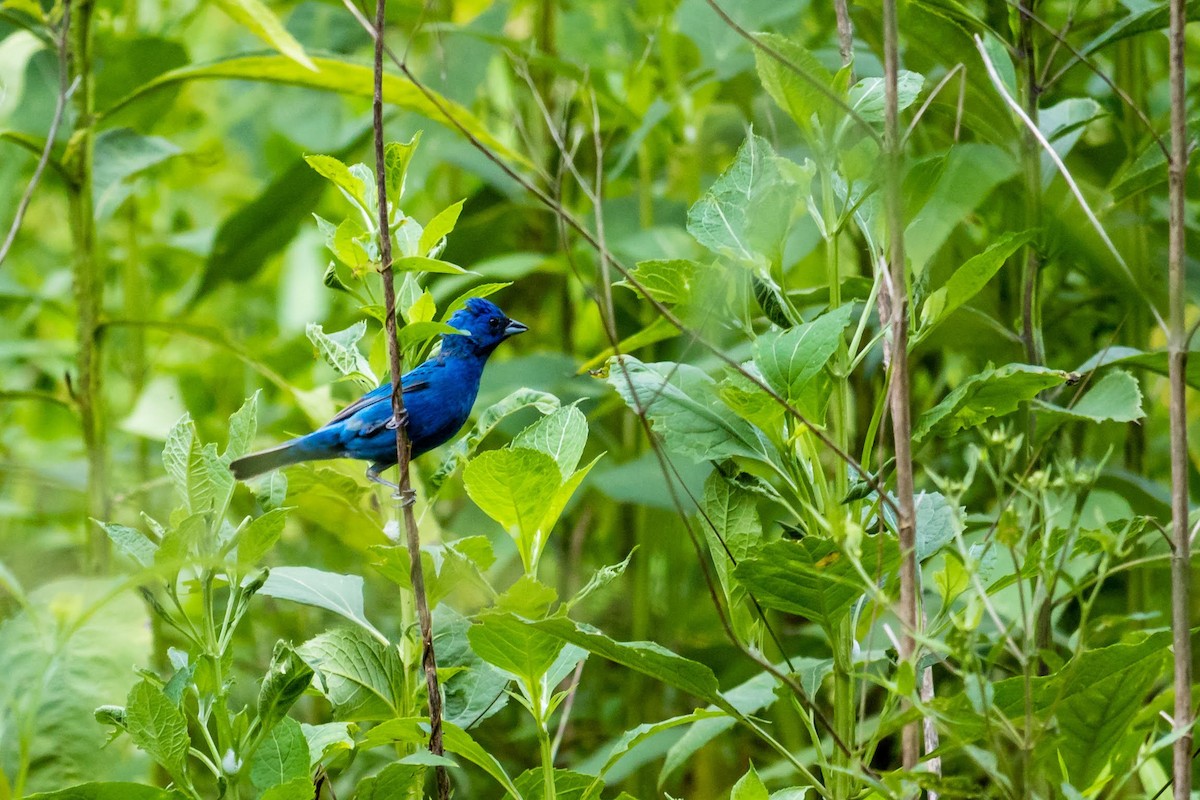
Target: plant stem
[(404, 492), (1181, 574), (88, 285), (898, 390), (1031, 159)]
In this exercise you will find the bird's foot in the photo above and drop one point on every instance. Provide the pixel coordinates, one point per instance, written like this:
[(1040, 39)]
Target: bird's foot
[(374, 477), (397, 421)]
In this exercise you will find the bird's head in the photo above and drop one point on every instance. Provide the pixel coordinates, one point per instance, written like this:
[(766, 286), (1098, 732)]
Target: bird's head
[(487, 325)]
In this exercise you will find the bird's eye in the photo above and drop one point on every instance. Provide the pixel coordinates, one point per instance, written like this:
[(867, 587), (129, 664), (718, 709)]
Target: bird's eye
[(495, 323)]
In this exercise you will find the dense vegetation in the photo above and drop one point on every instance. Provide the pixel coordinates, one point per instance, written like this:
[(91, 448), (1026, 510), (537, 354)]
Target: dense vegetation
[(667, 555)]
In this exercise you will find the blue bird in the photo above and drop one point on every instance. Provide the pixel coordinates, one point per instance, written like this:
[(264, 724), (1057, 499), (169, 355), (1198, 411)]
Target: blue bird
[(438, 396)]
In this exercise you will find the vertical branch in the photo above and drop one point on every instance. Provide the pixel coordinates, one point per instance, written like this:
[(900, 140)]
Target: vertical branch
[(1031, 158), (845, 31), (404, 491), (88, 282), (1177, 362), (898, 390)]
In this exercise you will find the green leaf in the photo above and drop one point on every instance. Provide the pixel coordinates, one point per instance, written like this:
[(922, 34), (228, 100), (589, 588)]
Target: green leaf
[(682, 405), (731, 526), (491, 416), (257, 539), (1155, 362), (568, 784), (396, 158), (243, 424), (793, 361), (340, 350), (439, 228), (600, 578), (108, 791), (286, 679), (256, 17), (795, 86), (392, 783), (669, 281), (460, 743), (131, 542), (990, 393), (121, 154), (648, 658), (968, 280), (177, 454), (423, 264), (329, 738), (447, 566), (337, 173), (812, 577), (282, 756), (866, 97), (629, 740), (477, 689), (746, 213), (937, 523), (749, 787), (361, 677), (295, 789), (517, 487), (560, 435), (1116, 397), (341, 594), (507, 643), (157, 726)]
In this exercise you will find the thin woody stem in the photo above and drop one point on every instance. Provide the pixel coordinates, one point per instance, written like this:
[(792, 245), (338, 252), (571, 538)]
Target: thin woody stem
[(404, 492)]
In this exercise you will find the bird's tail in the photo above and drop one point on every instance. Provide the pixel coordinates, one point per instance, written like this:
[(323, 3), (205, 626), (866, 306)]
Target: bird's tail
[(267, 460)]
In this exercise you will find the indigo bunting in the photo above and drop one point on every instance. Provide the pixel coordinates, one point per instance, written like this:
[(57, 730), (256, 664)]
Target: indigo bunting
[(438, 396)]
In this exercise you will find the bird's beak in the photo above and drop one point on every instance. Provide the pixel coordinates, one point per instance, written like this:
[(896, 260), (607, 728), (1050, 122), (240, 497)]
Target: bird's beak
[(514, 327)]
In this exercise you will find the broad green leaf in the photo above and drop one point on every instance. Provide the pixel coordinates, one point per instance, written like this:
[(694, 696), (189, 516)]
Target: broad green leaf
[(329, 738), (286, 679), (801, 86), (108, 791), (1063, 126), (477, 690), (121, 154), (682, 405), (648, 658), (993, 392), (746, 213), (669, 281), (157, 726), (813, 578), (1155, 361), (518, 488), (360, 676), (69, 650), (393, 782), (423, 264), (282, 756), (332, 75), (491, 416), (341, 594), (507, 643), (967, 281), (633, 737), (749, 787), (131, 542), (750, 401), (793, 362), (447, 566), (561, 435), (1147, 170), (256, 17), (340, 350), (866, 97), (439, 228), (257, 539), (337, 173), (937, 523), (731, 526), (1116, 397), (177, 454), (527, 597), (660, 329)]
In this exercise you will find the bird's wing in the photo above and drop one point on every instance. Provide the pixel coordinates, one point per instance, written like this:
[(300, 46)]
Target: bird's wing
[(412, 383)]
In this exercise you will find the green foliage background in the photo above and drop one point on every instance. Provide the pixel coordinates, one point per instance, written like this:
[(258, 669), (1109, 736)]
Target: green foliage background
[(722, 579)]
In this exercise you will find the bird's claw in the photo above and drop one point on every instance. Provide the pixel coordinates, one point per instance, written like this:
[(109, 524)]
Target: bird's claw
[(374, 476), (398, 420)]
